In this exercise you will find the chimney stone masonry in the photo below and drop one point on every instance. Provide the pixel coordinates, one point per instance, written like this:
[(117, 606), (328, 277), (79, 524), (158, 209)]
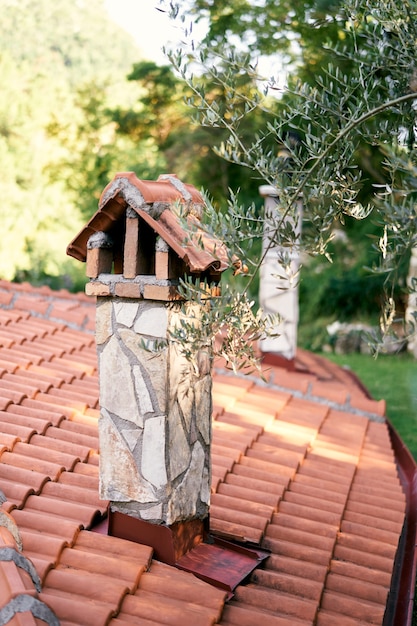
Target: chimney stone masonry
[(155, 404), (155, 418)]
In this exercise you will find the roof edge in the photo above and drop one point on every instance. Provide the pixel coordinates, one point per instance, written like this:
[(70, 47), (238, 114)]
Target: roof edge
[(400, 604)]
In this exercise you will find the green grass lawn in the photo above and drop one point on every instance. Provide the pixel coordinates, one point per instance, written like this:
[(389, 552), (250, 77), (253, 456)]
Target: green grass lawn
[(394, 379)]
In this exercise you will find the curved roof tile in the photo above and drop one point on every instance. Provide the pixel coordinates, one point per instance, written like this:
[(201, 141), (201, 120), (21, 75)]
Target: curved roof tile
[(302, 465)]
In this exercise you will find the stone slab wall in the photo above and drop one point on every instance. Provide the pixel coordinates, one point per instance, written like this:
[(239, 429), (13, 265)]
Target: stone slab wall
[(155, 414)]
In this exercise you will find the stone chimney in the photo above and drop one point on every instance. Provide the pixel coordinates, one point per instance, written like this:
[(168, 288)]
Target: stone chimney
[(155, 405), (277, 293)]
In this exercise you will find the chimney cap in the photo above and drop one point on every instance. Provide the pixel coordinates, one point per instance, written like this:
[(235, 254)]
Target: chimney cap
[(148, 199)]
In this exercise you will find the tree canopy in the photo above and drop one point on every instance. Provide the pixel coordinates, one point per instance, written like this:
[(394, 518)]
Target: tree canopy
[(59, 146), (75, 110), (344, 128)]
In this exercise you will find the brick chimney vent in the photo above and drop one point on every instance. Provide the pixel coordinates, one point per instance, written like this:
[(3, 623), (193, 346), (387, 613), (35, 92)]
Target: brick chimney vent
[(169, 207)]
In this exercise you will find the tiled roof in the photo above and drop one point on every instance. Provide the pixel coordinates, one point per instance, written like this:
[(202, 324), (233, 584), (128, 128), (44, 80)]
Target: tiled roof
[(302, 466)]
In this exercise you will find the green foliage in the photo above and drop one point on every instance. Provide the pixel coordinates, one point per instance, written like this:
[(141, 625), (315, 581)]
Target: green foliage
[(333, 128), (263, 27), (220, 323), (66, 41), (161, 115), (56, 139)]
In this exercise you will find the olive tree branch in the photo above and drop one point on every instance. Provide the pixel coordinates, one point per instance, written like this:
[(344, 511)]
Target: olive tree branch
[(317, 161)]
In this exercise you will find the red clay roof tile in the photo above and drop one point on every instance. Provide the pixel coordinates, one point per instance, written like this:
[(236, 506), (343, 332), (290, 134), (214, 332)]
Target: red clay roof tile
[(357, 589), (329, 618), (237, 614), (365, 558), (36, 521), (23, 433), (78, 610), (310, 526), (281, 604), (299, 474), (73, 493), (145, 605), (353, 607), (361, 573), (245, 493), (305, 510), (18, 414), (303, 537), (182, 586), (37, 414), (8, 440), (288, 583)]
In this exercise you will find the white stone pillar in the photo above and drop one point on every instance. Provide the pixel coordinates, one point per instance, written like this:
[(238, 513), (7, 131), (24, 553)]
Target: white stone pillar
[(278, 294), (411, 310), (155, 415)]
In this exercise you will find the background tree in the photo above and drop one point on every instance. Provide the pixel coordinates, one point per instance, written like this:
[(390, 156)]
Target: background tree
[(56, 73), (362, 101), (161, 115)]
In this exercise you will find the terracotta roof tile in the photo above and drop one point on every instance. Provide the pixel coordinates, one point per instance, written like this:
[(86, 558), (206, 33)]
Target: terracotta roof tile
[(23, 433), (43, 550), (74, 493), (145, 605), (37, 414), (12, 583), (67, 433), (31, 305), (80, 480), (24, 460), (353, 607), (275, 454), (298, 551), (366, 544), (355, 572), (98, 588), (288, 583), (17, 414), (46, 373), (45, 524), (16, 493), (8, 440), (86, 469), (124, 570), (356, 588), (305, 510), (257, 480), (85, 514), (78, 610), (303, 537), (182, 586), (284, 604), (360, 557), (54, 403), (5, 297), (127, 190), (9, 366), (329, 618), (245, 493), (395, 516), (28, 381), (268, 466), (237, 614), (300, 465)]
